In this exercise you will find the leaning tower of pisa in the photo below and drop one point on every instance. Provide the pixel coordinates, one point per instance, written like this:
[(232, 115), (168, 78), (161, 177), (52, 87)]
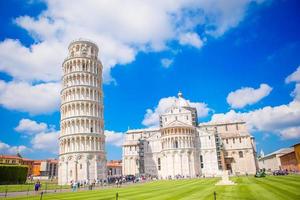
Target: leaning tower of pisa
[(81, 141)]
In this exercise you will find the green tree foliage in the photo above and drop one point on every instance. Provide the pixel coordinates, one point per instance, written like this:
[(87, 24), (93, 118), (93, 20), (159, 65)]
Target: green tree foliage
[(13, 174)]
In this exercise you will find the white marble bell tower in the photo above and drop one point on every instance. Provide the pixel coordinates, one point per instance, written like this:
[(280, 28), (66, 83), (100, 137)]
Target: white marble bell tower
[(81, 140)]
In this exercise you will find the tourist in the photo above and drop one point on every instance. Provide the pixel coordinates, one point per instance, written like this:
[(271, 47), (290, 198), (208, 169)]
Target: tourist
[(37, 186), (74, 186)]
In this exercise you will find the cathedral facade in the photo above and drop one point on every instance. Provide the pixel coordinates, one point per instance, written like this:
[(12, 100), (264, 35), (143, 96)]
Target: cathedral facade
[(181, 147)]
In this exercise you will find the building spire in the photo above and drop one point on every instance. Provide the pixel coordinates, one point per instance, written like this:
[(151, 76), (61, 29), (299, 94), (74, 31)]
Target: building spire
[(180, 94)]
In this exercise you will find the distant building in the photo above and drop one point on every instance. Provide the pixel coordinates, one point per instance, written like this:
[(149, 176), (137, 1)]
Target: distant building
[(272, 161), (36, 168), (17, 160), (291, 161), (181, 147), (29, 163), (297, 154), (45, 168), (114, 168), (10, 159)]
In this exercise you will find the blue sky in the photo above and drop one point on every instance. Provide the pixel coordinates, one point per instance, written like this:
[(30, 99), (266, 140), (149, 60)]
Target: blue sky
[(232, 59)]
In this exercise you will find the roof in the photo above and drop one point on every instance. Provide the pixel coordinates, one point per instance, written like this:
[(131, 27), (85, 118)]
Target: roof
[(83, 40), (221, 123), (177, 123), (232, 134), (10, 157), (142, 130), (280, 151), (114, 163), (27, 159), (296, 144), (181, 102)]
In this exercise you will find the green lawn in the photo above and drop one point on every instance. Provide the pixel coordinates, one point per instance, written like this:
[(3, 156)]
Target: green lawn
[(250, 188), (29, 187)]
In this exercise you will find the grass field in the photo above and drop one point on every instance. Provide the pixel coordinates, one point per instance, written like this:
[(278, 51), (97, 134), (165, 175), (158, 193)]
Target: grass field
[(247, 188), (29, 187)]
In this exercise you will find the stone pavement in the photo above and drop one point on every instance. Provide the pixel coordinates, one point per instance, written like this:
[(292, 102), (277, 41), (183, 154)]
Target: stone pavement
[(33, 193)]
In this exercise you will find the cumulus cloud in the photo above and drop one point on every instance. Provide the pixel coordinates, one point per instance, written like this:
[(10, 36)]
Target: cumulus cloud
[(247, 96), (123, 31), (166, 62), (43, 137), (192, 39), (283, 120), (266, 119), (114, 138), (294, 77), (296, 92), (7, 149), (30, 127), (35, 99), (39, 62), (46, 141), (151, 118), (290, 133)]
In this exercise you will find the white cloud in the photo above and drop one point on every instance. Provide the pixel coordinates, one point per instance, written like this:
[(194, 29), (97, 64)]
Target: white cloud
[(192, 39), (43, 137), (247, 96), (290, 133), (7, 149), (283, 120), (42, 61), (114, 138), (294, 77), (46, 141), (166, 62), (30, 127), (121, 30), (35, 99), (266, 119), (296, 92), (151, 118), (224, 15)]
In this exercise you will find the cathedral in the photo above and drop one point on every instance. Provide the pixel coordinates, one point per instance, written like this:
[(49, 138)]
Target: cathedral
[(182, 147)]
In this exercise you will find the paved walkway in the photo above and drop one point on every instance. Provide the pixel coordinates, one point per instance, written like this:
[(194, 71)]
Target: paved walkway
[(32, 193)]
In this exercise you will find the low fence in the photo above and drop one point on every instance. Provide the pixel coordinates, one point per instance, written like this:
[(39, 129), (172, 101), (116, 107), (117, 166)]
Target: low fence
[(49, 188)]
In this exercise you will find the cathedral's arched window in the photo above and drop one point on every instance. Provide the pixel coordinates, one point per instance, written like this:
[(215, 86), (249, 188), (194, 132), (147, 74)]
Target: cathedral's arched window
[(241, 155), (158, 163), (176, 144), (201, 161)]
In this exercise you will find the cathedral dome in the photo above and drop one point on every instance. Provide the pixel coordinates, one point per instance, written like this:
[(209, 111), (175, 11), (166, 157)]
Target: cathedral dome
[(182, 102)]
